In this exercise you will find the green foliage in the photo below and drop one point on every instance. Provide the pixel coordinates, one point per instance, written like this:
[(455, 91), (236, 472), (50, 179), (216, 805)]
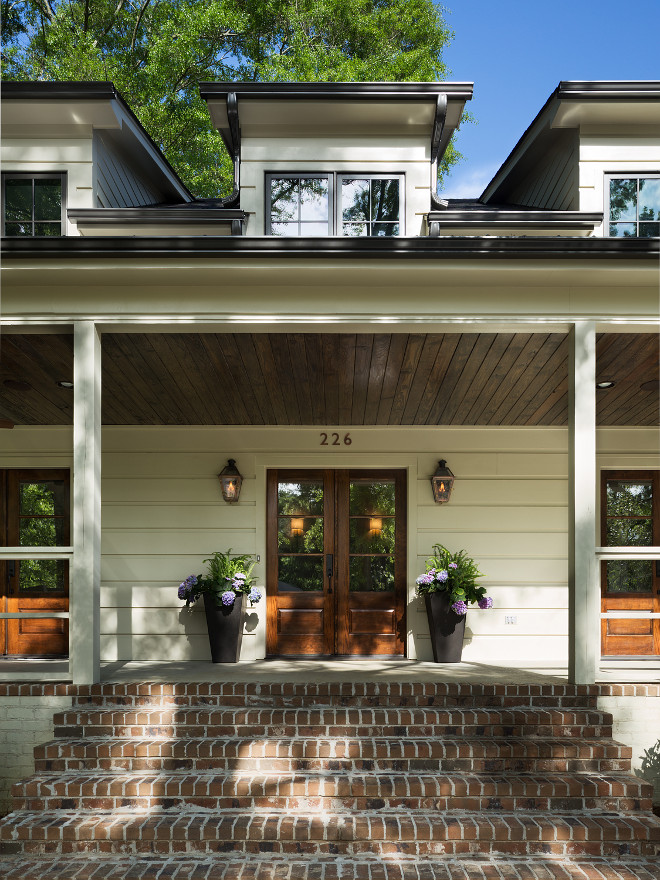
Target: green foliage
[(462, 574), (157, 51), (221, 572)]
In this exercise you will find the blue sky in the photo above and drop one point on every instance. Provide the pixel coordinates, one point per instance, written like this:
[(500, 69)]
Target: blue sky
[(517, 51)]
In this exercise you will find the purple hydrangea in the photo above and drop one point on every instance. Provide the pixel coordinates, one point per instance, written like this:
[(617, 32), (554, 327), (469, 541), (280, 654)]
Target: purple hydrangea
[(228, 597), (453, 565), (442, 576), (239, 576), (255, 595), (459, 607), (432, 572), (486, 602), (186, 590), (425, 578)]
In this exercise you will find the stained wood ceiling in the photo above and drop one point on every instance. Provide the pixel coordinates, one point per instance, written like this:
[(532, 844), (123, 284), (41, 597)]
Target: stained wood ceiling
[(329, 379)]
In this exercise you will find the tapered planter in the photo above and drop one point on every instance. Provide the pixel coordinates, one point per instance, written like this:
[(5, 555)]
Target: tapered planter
[(225, 625), (446, 628)]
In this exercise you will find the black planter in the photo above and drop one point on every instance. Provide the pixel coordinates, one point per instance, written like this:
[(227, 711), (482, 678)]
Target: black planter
[(446, 628), (225, 626)]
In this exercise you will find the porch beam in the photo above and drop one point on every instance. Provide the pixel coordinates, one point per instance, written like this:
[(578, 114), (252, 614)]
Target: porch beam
[(583, 592), (85, 590)]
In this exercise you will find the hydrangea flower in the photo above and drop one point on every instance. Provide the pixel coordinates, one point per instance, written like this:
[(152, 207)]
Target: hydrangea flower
[(486, 602), (186, 587), (255, 595), (442, 576), (425, 578), (453, 565), (239, 576), (228, 597), (459, 607)]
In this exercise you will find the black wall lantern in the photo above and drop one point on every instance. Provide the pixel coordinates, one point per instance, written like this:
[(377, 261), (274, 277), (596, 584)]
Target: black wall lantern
[(442, 482), (230, 481)]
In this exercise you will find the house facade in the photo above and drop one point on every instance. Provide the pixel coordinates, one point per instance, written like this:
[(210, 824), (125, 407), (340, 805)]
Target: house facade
[(336, 329)]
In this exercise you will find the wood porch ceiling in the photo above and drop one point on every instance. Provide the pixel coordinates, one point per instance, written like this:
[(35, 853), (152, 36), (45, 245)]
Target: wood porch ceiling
[(329, 379)]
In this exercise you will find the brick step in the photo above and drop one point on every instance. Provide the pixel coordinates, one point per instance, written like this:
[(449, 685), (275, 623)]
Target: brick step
[(329, 868), (453, 754), (338, 792), (358, 693), (409, 834)]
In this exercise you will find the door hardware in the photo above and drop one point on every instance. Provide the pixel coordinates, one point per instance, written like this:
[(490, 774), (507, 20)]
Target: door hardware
[(329, 568), (11, 569)]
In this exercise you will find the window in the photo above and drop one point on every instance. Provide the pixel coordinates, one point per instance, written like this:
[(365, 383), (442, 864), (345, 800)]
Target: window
[(634, 206), (32, 204), (334, 204)]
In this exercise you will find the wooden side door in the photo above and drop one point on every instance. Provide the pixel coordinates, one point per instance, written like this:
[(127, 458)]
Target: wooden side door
[(300, 576), (36, 515), (630, 517), (371, 560)]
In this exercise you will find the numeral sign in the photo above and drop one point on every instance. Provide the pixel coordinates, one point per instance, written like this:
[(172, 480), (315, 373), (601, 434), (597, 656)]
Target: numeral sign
[(334, 439)]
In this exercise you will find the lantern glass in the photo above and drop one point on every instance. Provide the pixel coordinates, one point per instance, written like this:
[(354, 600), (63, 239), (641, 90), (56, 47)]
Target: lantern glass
[(230, 482), (442, 482)]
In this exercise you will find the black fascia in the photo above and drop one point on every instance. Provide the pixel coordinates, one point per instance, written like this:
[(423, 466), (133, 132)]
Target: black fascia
[(608, 89), (158, 215), (86, 91), (475, 216), (386, 248), (329, 91)]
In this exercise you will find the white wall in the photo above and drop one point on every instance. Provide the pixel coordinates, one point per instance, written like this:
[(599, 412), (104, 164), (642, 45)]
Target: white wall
[(163, 514)]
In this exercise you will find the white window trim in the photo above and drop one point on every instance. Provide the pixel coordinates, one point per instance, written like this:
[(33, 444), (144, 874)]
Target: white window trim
[(334, 179), (622, 175)]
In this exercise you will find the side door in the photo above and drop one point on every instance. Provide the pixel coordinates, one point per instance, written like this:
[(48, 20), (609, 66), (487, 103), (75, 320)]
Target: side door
[(36, 514), (630, 517)]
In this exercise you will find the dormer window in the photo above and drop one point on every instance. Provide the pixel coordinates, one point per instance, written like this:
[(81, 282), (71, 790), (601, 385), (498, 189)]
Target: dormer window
[(334, 204), (32, 204), (634, 206)]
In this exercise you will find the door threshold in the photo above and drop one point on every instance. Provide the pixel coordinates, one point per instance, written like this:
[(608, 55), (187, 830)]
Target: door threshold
[(335, 657), (644, 658)]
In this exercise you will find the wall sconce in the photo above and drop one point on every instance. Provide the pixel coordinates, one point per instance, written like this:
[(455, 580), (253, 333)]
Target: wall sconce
[(376, 525), (297, 525), (442, 482), (230, 481)]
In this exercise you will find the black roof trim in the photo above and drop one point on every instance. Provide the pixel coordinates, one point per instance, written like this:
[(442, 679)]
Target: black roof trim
[(86, 91), (608, 89), (522, 215), (348, 90), (191, 213), (373, 248)]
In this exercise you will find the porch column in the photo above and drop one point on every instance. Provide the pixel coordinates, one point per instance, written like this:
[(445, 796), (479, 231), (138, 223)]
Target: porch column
[(85, 600), (583, 592)]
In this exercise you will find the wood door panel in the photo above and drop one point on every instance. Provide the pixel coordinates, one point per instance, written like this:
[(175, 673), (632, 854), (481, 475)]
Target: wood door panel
[(620, 626), (296, 621), (367, 620)]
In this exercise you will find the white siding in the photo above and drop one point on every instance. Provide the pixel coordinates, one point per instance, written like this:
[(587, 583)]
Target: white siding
[(163, 514)]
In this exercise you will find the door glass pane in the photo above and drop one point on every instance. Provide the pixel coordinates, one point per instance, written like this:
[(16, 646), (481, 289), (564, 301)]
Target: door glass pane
[(300, 534), (42, 498), (371, 498), (635, 576), (298, 573), (42, 575), (370, 574), (371, 534), (41, 531), (626, 498), (301, 497)]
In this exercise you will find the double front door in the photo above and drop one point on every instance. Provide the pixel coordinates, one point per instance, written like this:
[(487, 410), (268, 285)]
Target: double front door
[(34, 512), (336, 566)]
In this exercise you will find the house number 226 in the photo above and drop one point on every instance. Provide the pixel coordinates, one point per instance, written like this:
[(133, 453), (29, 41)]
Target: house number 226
[(335, 439)]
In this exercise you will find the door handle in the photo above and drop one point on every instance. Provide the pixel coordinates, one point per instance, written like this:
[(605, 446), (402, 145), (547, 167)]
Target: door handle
[(329, 569), (11, 569)]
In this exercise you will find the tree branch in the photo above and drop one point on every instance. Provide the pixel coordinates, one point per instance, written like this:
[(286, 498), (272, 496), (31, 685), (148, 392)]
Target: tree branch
[(137, 23)]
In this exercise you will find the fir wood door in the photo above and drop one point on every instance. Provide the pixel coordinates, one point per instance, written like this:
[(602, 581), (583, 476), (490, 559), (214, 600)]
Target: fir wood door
[(35, 513), (630, 517), (336, 562)]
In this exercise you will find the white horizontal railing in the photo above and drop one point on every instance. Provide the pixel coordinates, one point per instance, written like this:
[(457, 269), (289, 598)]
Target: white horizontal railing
[(606, 554), (17, 554)]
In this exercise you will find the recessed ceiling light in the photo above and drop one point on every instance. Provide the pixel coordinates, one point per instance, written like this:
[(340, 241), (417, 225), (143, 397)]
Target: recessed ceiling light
[(64, 383), (606, 384), (17, 385)]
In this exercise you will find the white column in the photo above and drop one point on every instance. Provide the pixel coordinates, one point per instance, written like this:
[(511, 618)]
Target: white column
[(583, 589), (85, 594)]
